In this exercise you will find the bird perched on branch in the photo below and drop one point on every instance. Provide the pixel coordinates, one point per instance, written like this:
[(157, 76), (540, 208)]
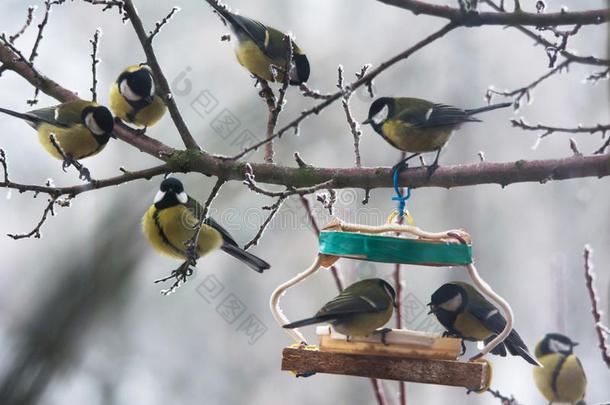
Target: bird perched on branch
[(80, 128), (562, 378), (465, 313), (359, 310), (170, 223), (133, 97), (260, 48), (417, 126)]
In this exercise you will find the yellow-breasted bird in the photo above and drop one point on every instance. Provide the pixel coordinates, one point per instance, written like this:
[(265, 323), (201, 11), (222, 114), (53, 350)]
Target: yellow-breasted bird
[(359, 310), (134, 99), (417, 126), (562, 378), (170, 221), (465, 313), (258, 47), (81, 128)]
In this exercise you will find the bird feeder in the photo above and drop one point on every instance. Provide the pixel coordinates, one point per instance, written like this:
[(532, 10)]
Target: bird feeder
[(406, 355)]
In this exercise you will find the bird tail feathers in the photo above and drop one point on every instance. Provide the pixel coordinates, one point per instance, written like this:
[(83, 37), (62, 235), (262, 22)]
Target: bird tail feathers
[(474, 111), (254, 262), (305, 322)]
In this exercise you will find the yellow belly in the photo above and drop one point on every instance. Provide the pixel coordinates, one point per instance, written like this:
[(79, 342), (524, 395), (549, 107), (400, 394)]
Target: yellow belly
[(252, 58), (365, 323), (470, 327), (177, 224), (76, 141), (571, 381), (415, 140), (146, 117)]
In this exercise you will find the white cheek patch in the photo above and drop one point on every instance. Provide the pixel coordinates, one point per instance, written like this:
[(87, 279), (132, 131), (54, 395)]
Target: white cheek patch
[(92, 125), (557, 346), (183, 198), (293, 73), (382, 115), (159, 196), (453, 304), (127, 92)]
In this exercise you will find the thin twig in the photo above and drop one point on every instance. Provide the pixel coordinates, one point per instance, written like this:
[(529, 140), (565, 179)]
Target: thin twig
[(273, 210), (548, 130), (525, 91), (160, 24), (108, 4), (27, 23), (315, 94), (353, 125), (94, 61), (83, 172), (36, 231), (504, 399), (597, 315), (34, 53)]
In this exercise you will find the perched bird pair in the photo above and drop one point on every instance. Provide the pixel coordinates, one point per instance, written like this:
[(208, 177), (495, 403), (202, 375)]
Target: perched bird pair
[(83, 128)]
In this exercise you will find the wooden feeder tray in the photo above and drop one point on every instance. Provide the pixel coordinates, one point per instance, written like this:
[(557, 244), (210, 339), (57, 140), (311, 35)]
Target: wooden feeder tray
[(408, 356)]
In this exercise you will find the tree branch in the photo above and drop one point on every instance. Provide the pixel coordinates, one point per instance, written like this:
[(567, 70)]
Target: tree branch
[(474, 19), (597, 315)]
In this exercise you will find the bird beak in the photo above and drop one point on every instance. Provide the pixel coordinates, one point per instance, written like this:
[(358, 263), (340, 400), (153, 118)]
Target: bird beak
[(433, 308), (366, 121), (575, 344)]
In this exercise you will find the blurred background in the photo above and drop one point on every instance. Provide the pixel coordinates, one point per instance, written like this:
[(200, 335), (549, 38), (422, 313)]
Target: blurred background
[(80, 318)]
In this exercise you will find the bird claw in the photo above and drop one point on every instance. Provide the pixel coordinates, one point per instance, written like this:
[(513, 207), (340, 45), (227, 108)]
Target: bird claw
[(180, 276), (383, 333)]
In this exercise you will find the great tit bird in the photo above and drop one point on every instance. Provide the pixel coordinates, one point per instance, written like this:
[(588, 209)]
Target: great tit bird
[(465, 313), (133, 97), (562, 378), (81, 128), (417, 126), (359, 310), (259, 47), (170, 221)]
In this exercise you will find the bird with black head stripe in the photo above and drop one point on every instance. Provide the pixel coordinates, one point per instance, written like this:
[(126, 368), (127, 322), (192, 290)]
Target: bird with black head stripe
[(466, 314), (417, 126), (134, 99), (80, 128), (170, 223), (562, 377), (260, 48)]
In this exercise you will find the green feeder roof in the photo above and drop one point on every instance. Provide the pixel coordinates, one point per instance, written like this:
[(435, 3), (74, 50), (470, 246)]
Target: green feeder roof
[(390, 249)]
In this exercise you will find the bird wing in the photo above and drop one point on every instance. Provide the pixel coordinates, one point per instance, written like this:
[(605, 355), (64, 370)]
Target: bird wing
[(197, 211), (62, 115), (439, 115), (489, 316), (347, 303)]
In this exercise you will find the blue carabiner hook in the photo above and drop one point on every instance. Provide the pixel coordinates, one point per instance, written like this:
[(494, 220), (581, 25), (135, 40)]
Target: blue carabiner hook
[(402, 200)]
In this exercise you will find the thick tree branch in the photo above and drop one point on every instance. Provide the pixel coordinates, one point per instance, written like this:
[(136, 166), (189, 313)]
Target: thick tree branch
[(160, 80), (473, 18), (366, 178)]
